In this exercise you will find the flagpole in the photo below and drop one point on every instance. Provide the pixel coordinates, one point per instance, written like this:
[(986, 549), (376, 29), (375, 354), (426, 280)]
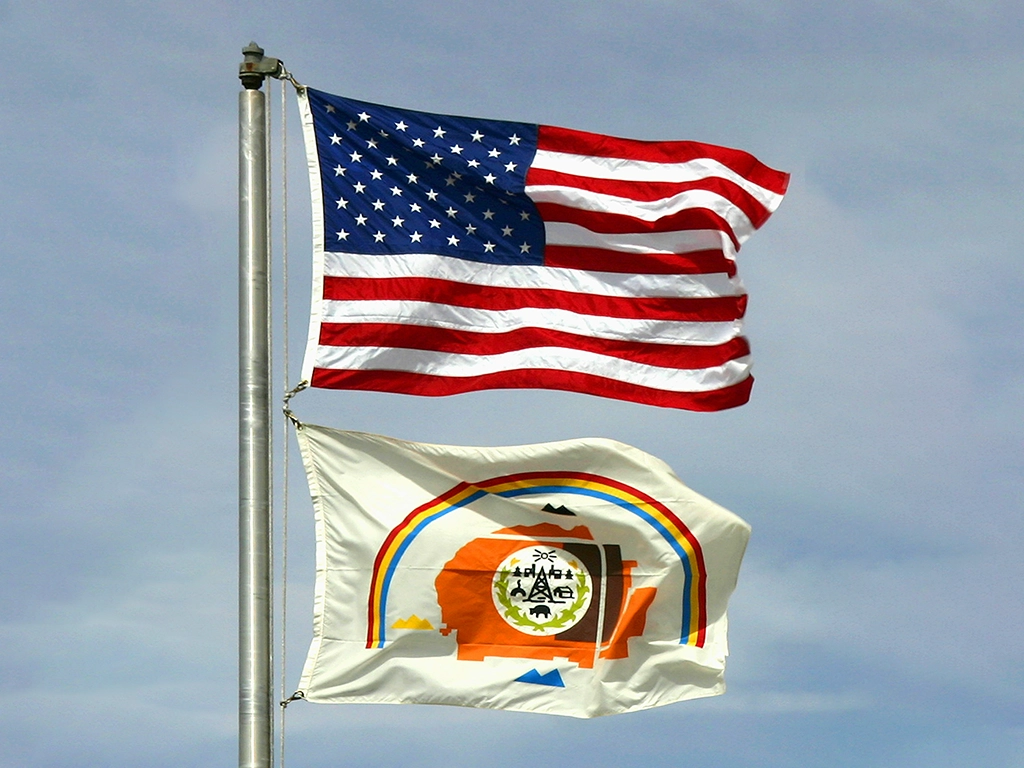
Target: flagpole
[(255, 673)]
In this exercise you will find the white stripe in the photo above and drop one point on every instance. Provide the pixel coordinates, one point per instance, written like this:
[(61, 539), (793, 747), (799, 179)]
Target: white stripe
[(497, 321), (554, 358), (526, 276), (644, 170), (645, 210), (684, 241)]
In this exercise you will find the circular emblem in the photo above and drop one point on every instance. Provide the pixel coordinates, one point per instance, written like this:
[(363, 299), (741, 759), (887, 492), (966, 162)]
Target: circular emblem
[(542, 590)]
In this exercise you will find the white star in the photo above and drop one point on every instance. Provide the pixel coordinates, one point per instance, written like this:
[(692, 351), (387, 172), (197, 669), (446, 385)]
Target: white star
[(378, 237), (343, 235), (506, 231), (398, 221), (392, 160), (456, 150), (476, 135), (351, 125), (335, 139), (384, 134), (363, 117), (493, 153), (488, 247), (413, 178), (524, 215), (451, 212), (330, 108), (342, 202), (469, 197), (432, 195), (510, 167), (524, 248), (473, 163), (439, 132), (418, 143), (359, 187), (435, 160), (396, 192), (489, 178), (356, 157), (434, 223), (415, 237), (378, 205), (513, 139), (371, 143), (488, 214), (339, 171), (415, 208), (360, 220), (470, 229), (453, 240), (376, 175), (400, 126)]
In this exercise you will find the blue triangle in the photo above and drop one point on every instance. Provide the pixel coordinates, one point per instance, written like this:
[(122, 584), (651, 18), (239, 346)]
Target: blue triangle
[(551, 678)]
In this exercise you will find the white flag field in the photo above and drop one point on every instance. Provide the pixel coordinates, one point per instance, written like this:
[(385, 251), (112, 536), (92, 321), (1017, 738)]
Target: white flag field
[(578, 578)]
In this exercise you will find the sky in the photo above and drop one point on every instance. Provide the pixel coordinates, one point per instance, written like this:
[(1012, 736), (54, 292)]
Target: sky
[(878, 616)]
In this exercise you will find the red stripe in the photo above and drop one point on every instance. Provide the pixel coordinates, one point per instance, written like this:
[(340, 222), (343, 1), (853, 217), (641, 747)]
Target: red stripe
[(620, 224), (429, 289), (406, 383), (603, 260), (698, 552), (472, 343), (566, 140), (371, 617), (648, 191)]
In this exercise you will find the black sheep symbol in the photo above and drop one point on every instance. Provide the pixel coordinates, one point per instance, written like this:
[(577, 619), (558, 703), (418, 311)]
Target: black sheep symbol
[(540, 610)]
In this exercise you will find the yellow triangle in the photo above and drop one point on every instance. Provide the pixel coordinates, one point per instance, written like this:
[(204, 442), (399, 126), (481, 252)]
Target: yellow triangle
[(413, 622)]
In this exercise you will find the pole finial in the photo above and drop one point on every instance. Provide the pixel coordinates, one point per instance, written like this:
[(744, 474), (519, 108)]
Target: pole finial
[(256, 67)]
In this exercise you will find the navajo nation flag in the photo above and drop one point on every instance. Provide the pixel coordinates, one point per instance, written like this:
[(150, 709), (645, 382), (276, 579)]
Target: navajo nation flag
[(455, 254), (577, 578)]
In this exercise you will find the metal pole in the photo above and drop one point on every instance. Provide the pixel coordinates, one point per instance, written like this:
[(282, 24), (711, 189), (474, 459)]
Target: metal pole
[(255, 686)]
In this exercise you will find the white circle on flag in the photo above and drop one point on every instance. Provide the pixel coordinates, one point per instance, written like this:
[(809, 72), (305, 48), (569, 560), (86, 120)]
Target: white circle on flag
[(542, 590)]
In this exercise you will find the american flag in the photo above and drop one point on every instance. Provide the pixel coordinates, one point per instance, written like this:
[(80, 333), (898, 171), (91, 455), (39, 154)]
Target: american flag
[(455, 254)]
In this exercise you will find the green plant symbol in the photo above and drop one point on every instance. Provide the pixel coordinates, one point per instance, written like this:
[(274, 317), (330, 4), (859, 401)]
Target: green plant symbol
[(516, 615)]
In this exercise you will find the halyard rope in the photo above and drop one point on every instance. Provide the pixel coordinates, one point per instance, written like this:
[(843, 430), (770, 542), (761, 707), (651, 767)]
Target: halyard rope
[(289, 392), (284, 422), (267, 127)]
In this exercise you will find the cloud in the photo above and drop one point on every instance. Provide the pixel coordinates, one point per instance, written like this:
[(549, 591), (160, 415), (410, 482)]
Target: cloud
[(791, 703)]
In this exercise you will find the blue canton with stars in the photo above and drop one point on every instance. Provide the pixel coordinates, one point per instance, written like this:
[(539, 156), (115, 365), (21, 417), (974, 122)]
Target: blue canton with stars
[(400, 181)]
